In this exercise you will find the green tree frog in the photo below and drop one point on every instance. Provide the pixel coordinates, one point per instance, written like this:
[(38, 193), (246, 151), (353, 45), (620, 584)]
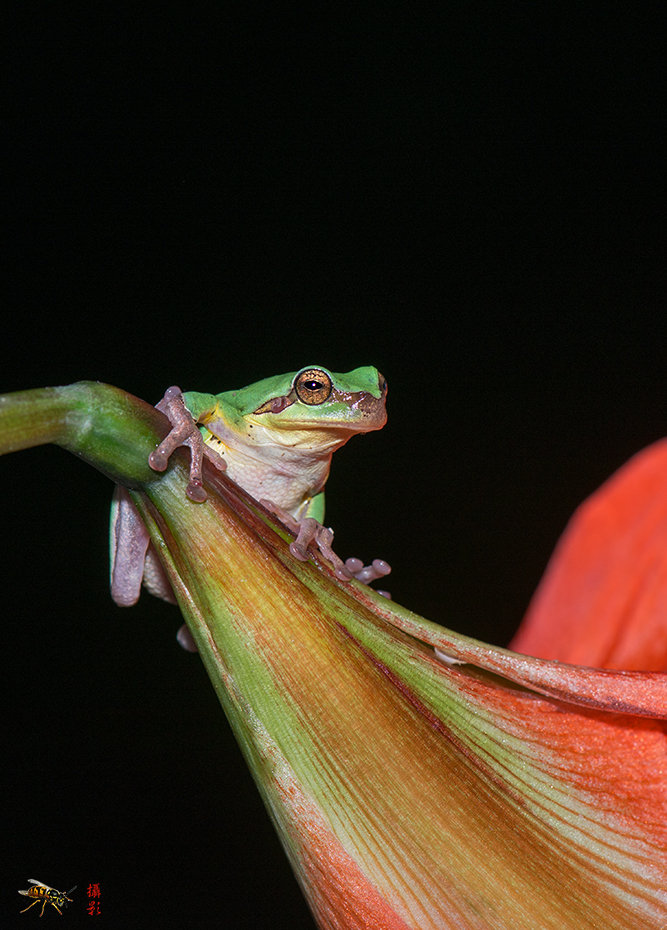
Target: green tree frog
[(275, 439)]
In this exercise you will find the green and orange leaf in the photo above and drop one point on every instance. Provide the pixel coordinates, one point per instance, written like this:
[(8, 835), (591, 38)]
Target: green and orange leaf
[(506, 791)]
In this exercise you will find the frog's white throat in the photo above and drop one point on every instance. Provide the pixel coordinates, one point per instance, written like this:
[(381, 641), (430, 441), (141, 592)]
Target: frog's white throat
[(286, 467)]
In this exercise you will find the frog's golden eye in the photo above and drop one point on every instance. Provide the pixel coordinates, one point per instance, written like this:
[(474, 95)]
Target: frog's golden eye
[(313, 386)]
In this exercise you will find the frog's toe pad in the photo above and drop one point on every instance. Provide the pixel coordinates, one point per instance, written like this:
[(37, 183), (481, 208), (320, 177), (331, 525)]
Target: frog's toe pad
[(195, 491), (447, 659), (185, 640), (367, 573)]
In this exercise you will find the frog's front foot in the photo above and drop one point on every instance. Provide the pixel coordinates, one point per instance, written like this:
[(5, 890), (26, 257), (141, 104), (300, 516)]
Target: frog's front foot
[(184, 432), (310, 532)]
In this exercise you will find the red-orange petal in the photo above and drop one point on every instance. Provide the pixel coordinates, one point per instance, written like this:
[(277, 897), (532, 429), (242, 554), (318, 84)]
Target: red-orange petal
[(603, 599)]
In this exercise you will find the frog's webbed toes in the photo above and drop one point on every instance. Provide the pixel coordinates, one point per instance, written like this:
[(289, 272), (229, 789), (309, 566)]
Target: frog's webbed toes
[(213, 457), (184, 432), (367, 573), (309, 532)]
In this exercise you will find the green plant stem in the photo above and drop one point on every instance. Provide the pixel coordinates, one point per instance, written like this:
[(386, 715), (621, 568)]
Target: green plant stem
[(103, 425)]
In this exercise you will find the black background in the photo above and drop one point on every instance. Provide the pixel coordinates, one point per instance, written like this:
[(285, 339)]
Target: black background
[(473, 201)]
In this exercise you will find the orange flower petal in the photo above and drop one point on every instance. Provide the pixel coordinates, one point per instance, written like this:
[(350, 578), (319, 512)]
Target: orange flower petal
[(603, 598)]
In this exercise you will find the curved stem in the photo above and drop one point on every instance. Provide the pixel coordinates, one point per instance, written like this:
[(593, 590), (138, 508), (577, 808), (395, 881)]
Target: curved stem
[(110, 429)]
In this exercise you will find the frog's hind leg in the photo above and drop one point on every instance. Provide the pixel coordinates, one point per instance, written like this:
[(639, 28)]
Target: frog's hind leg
[(133, 556), (128, 544)]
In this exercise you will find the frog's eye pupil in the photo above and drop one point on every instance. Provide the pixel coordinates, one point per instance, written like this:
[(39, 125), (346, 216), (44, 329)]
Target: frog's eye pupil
[(313, 387)]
